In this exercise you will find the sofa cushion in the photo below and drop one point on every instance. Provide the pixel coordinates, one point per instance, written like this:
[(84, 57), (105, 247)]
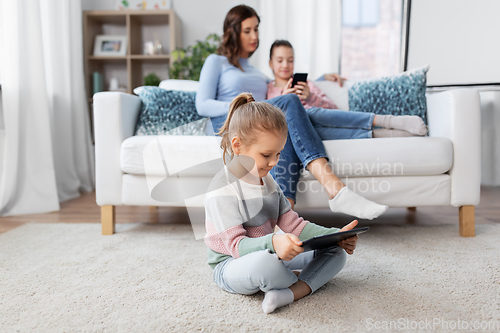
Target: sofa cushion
[(411, 191), (179, 85), (402, 94), (201, 156), (168, 112), (408, 156), (163, 155)]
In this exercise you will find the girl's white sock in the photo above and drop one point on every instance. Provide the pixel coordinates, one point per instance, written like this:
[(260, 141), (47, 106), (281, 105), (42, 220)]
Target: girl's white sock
[(413, 124), (348, 202), (276, 298)]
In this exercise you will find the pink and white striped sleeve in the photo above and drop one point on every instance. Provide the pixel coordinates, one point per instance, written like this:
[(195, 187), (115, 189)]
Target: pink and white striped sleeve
[(291, 222)]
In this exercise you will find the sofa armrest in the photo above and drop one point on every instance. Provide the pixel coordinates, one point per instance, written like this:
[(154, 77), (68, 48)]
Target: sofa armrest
[(456, 115), (115, 118)]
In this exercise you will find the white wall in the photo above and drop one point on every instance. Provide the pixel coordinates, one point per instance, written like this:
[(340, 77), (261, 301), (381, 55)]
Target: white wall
[(490, 137), (2, 134), (202, 17), (457, 38)]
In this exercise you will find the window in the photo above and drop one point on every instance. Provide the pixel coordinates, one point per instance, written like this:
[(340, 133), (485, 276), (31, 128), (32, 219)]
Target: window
[(371, 38), (360, 13)]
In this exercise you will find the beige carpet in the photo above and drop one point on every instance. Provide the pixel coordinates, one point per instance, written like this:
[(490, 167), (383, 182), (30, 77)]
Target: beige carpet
[(153, 278)]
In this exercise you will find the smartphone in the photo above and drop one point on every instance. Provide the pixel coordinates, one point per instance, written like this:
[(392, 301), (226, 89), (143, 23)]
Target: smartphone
[(299, 77)]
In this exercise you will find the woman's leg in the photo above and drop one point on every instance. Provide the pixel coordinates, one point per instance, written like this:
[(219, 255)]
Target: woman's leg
[(217, 123), (306, 143), (342, 199), (302, 138), (305, 140), (287, 171), (309, 148), (322, 171)]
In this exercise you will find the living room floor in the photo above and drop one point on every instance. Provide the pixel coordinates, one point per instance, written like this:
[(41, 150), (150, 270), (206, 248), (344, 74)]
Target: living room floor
[(85, 210)]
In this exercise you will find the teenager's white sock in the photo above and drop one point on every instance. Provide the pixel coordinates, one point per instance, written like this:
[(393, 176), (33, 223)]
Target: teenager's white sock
[(276, 298), (412, 124), (348, 202)]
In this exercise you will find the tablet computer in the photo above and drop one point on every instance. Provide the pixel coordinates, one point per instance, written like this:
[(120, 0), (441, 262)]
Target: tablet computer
[(320, 242)]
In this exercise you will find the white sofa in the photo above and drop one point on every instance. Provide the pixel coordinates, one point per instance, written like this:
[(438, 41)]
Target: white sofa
[(439, 170)]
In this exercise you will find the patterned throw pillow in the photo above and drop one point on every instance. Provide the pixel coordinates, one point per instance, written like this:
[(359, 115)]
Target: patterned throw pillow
[(402, 94), (168, 112)]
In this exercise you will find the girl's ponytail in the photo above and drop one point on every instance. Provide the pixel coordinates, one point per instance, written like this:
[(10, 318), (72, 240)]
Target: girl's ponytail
[(225, 144), (246, 118)]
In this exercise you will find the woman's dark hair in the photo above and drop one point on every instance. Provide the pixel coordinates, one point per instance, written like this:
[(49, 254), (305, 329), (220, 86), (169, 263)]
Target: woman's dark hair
[(277, 43), (230, 45)]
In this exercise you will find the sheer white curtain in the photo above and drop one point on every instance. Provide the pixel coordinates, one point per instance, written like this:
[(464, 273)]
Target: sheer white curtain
[(48, 153), (313, 27)]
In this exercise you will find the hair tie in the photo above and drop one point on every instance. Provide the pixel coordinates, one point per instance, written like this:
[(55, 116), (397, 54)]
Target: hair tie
[(250, 99)]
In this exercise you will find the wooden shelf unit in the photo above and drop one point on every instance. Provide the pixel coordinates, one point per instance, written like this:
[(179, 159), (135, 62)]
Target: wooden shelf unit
[(139, 26)]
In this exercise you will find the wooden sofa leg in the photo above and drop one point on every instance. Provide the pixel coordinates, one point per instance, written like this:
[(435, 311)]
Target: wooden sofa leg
[(466, 221), (108, 219), (153, 214), (412, 209)]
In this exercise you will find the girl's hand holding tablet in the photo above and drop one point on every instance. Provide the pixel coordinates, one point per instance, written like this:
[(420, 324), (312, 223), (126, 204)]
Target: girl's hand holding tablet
[(287, 246), (349, 244)]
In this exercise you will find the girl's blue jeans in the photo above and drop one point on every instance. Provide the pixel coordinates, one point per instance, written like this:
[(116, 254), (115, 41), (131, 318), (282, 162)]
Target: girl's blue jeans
[(263, 270), (306, 130)]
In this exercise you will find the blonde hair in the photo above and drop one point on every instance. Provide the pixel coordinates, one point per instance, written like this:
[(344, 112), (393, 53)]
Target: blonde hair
[(246, 118)]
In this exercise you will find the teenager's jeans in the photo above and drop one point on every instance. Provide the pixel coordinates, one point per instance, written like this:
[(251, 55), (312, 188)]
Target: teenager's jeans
[(263, 270), (306, 130), (341, 125)]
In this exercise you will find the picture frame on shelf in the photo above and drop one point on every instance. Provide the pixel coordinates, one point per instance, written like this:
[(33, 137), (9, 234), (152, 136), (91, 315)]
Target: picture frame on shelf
[(110, 45)]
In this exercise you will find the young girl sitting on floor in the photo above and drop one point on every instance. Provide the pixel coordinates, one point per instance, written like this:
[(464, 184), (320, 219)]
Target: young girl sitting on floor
[(334, 124), (243, 206)]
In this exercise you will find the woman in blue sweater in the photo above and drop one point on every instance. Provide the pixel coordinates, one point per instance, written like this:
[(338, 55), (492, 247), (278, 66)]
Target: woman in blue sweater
[(228, 74)]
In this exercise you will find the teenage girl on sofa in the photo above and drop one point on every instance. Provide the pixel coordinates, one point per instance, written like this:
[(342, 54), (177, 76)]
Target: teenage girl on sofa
[(329, 123), (244, 253), (228, 74)]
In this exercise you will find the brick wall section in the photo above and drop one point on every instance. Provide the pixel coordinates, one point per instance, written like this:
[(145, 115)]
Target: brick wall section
[(374, 51)]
